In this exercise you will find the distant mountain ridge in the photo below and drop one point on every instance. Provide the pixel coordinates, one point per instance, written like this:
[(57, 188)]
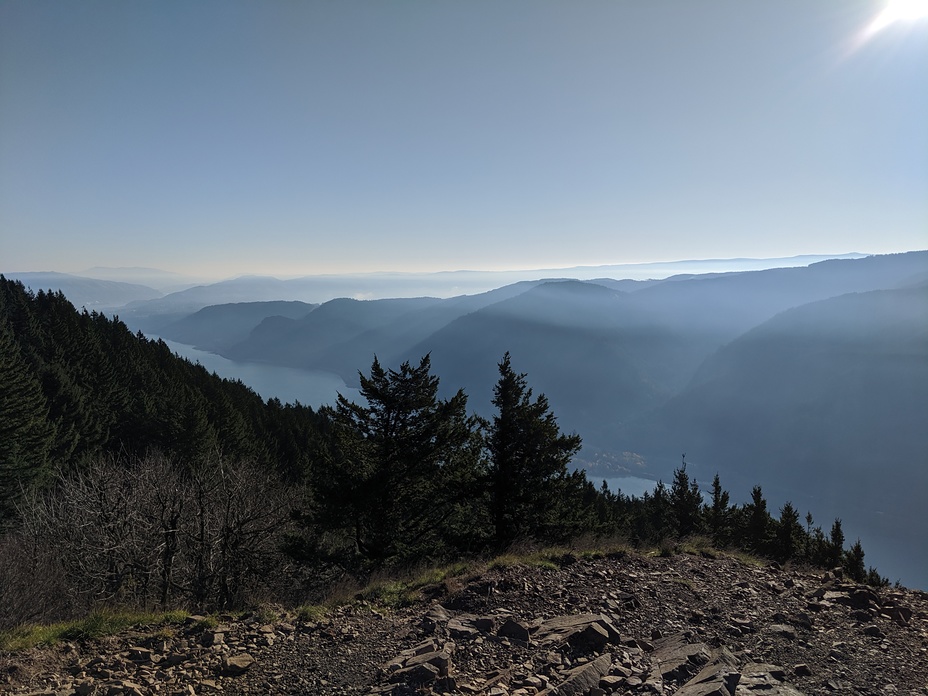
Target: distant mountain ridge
[(647, 370), (163, 281), (218, 328), (177, 295), (92, 293), (812, 380)]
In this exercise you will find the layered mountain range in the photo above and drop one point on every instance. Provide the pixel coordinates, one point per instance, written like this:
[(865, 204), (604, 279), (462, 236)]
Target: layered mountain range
[(812, 381)]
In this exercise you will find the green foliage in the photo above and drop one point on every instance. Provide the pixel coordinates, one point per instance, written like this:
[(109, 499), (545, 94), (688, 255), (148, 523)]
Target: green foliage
[(410, 588), (199, 475), (789, 534), (400, 482), (26, 435), (532, 494), (310, 612), (758, 522), (96, 625), (658, 512), (854, 563), (718, 514), (834, 552), (75, 385), (685, 503)]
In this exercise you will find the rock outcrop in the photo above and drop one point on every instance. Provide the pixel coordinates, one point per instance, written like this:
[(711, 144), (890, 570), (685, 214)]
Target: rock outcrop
[(628, 625)]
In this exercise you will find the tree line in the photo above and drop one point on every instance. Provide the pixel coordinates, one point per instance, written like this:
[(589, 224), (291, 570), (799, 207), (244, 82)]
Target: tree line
[(130, 475)]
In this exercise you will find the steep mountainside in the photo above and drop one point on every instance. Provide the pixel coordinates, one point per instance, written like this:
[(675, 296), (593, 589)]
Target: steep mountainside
[(219, 327), (343, 335), (595, 354), (299, 342), (826, 404), (731, 303)]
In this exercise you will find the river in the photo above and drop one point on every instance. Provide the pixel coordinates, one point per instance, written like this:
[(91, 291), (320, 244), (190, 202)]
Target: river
[(289, 384)]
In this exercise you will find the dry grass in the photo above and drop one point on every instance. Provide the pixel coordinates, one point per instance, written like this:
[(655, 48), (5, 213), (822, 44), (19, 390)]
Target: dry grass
[(98, 624), (387, 591)]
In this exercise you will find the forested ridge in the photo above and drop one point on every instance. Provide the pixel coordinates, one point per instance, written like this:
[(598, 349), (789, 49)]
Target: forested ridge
[(131, 476)]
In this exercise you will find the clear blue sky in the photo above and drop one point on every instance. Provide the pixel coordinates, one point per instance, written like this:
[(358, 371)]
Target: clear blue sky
[(288, 137)]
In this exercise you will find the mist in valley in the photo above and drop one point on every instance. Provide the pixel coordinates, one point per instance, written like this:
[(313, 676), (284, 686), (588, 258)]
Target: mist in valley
[(810, 381)]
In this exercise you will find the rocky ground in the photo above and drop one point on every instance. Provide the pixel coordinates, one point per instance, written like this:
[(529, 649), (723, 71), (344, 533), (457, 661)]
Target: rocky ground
[(682, 625)]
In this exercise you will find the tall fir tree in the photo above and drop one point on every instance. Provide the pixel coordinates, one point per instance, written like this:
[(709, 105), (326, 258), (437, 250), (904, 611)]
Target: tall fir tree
[(718, 514), (685, 503), (758, 522), (834, 553), (528, 459), (403, 465), (789, 534), (26, 435)]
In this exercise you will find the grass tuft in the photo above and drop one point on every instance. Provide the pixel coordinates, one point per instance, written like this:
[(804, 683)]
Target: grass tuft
[(96, 625), (311, 613), (747, 559), (206, 623), (699, 546), (401, 592)]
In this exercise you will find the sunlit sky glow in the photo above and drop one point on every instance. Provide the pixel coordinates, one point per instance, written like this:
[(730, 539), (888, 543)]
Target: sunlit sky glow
[(225, 137), (898, 11), (893, 13)]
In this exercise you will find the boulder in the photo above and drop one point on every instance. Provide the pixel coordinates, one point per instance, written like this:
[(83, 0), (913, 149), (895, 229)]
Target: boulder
[(718, 678), (462, 628), (593, 636), (234, 665), (439, 659), (569, 629), (581, 679), (514, 629), (676, 659), (421, 673)]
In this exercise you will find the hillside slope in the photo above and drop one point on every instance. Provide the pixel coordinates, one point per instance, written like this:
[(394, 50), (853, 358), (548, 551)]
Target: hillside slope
[(219, 327), (92, 293), (619, 625), (824, 404)]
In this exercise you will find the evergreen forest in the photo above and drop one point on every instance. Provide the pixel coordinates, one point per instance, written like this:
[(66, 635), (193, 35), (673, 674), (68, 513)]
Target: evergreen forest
[(132, 477)]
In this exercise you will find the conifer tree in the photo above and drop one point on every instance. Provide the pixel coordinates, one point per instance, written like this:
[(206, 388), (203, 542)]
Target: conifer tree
[(835, 549), (658, 511), (685, 502), (26, 435), (528, 458), (758, 522), (789, 533), (718, 514), (402, 464), (854, 563)]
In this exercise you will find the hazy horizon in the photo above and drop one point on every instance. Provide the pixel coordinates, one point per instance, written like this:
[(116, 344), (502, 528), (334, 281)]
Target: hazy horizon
[(670, 265)]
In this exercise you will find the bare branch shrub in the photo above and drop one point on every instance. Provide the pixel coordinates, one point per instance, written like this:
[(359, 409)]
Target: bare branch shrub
[(240, 513), (149, 531), (32, 583)]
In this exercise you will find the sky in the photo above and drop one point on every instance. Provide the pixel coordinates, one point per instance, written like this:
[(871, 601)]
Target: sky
[(223, 137)]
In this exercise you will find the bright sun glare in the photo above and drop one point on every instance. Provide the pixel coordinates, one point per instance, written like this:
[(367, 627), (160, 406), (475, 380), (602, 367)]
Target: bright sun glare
[(898, 11), (893, 12)]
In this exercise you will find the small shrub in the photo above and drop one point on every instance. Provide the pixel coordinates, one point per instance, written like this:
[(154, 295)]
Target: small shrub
[(310, 613), (699, 546), (206, 623)]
